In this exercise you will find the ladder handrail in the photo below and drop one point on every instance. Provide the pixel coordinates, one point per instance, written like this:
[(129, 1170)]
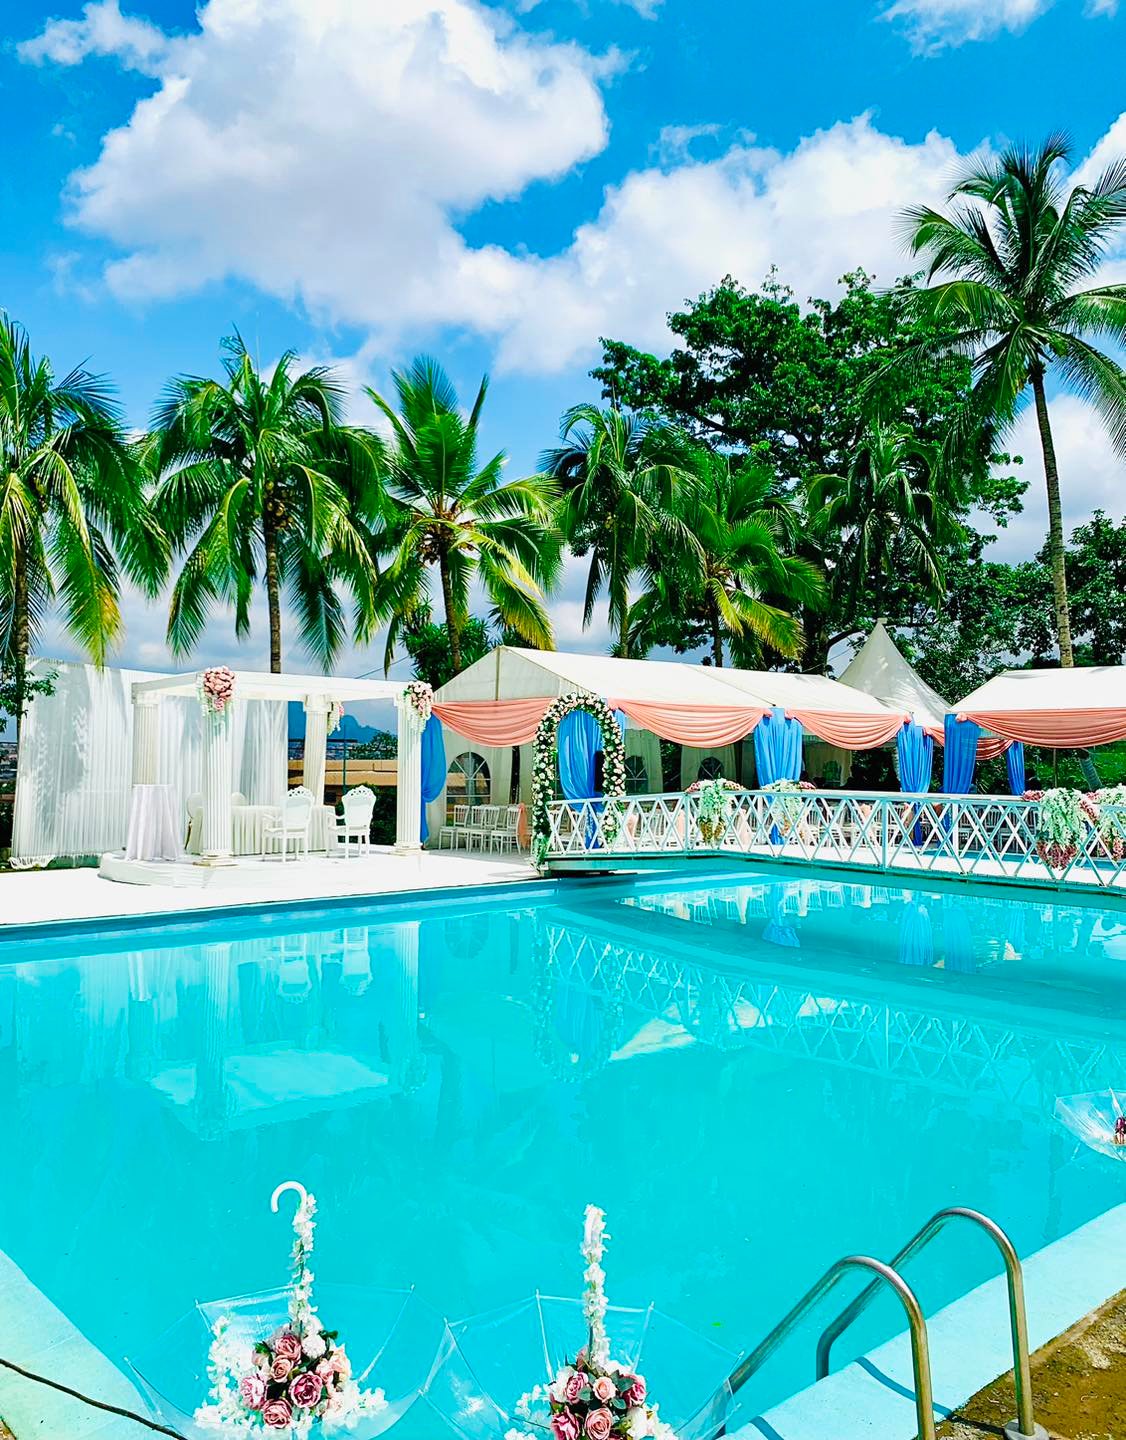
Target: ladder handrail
[(1018, 1320), (885, 1274)]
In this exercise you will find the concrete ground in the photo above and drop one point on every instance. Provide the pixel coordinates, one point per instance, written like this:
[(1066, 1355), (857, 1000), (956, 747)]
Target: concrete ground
[(1078, 1385), (33, 896)]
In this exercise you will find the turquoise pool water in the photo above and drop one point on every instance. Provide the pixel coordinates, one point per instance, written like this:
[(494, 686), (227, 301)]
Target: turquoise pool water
[(753, 1076)]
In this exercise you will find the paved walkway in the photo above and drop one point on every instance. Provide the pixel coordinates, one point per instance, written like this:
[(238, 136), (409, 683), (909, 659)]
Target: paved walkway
[(33, 896)]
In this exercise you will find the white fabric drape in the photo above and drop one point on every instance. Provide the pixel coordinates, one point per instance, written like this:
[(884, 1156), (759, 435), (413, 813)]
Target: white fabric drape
[(74, 778)]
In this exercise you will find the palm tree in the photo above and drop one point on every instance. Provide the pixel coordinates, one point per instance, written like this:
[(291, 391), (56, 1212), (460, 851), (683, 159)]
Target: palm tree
[(883, 518), (257, 478), (71, 508), (445, 512), (735, 581), (621, 476), (1013, 251)]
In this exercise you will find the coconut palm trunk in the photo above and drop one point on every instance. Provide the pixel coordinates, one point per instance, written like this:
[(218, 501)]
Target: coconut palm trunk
[(453, 625), (273, 589), (1055, 521), (717, 636), (21, 642)]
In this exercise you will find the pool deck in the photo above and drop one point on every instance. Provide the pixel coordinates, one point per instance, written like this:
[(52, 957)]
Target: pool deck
[(31, 897)]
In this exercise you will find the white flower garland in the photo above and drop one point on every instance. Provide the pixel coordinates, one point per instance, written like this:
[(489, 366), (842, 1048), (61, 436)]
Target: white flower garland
[(545, 757), (715, 801), (1062, 818), (335, 716)]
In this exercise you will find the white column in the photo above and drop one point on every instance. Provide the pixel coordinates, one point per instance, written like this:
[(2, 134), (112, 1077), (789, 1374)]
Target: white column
[(316, 743), (408, 808), (146, 739), (217, 785)]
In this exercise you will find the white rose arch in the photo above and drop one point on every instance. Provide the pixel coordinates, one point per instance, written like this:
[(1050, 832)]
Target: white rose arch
[(545, 757)]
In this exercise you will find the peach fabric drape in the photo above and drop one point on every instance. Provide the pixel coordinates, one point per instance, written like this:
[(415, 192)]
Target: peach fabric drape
[(988, 747), (495, 722), (1059, 728), (849, 730), (691, 724)]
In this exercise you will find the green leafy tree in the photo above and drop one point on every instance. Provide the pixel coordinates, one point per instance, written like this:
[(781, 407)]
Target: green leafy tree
[(733, 586), (622, 478), (72, 509), (1013, 254), (257, 480), (428, 645), (446, 513), (883, 518)]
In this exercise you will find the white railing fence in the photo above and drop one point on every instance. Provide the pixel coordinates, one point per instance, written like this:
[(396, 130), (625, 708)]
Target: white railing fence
[(994, 836)]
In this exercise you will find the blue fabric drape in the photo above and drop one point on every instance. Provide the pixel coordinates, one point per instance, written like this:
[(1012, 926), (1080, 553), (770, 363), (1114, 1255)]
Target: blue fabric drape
[(1014, 764), (959, 755), (916, 759), (777, 747), (916, 935), (580, 738), (433, 767)]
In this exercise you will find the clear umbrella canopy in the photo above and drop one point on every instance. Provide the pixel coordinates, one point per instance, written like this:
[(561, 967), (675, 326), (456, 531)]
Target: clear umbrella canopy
[(1097, 1120)]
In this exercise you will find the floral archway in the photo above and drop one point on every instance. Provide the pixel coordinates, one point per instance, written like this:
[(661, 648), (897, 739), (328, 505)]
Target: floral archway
[(545, 757)]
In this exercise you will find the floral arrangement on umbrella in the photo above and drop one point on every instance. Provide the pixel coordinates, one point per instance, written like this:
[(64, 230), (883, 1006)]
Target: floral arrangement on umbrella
[(595, 1397), (420, 697), (1062, 818), (296, 1377), (545, 757), (785, 812), (216, 690)]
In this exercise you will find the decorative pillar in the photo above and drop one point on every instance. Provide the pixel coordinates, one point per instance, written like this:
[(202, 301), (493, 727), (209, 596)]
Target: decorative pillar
[(316, 745), (218, 782), (408, 800), (146, 738)]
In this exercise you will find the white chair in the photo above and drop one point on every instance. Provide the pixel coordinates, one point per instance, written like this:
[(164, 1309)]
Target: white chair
[(355, 823), (292, 826), (507, 834), (194, 837), (482, 829), (452, 831)]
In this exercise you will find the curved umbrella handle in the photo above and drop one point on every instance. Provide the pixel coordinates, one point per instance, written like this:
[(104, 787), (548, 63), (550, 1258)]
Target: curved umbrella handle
[(295, 1185)]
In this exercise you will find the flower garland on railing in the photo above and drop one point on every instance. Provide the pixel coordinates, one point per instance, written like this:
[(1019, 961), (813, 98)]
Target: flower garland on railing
[(595, 1398), (786, 811), (545, 757), (216, 691), (420, 697), (715, 805), (1111, 802), (1062, 818), (297, 1376)]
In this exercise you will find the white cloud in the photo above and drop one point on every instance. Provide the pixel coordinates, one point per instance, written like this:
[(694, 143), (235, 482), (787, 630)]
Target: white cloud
[(1091, 475), (103, 30), (674, 143), (933, 24)]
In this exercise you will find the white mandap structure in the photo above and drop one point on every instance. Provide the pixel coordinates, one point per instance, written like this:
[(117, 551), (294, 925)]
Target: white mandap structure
[(103, 737)]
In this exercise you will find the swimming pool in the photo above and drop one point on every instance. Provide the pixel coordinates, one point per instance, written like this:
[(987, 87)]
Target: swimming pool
[(752, 1075)]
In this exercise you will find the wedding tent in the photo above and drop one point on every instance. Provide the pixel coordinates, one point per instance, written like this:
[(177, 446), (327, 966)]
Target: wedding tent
[(879, 669), (1076, 707), (101, 732), (497, 704)]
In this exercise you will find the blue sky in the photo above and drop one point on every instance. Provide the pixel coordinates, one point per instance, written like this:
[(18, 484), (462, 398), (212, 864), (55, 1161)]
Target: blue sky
[(499, 184)]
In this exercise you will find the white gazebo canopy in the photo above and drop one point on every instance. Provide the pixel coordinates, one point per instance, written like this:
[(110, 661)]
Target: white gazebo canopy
[(258, 685), (879, 669)]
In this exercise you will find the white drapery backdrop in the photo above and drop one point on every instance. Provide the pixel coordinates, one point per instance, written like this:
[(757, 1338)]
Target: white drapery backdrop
[(76, 759)]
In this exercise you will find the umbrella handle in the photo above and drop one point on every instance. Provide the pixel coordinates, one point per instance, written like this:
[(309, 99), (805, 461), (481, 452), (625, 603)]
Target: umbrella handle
[(283, 1187)]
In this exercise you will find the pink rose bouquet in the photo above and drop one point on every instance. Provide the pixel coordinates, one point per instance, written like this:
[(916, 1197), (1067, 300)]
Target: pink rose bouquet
[(596, 1398), (216, 690), (296, 1376)]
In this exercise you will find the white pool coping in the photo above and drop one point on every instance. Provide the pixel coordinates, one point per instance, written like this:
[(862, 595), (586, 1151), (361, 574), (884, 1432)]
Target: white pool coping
[(874, 1399), (31, 897)]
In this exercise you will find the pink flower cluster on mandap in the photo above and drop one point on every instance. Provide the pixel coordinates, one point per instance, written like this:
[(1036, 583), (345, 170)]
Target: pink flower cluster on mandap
[(217, 689)]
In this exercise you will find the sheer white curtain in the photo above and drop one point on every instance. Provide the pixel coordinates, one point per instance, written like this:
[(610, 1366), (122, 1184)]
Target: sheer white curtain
[(76, 760)]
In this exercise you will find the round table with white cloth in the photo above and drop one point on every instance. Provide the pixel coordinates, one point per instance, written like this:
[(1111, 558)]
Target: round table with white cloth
[(249, 822), (154, 833)]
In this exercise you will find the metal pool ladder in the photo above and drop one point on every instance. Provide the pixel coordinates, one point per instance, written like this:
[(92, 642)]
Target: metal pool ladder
[(1024, 1427)]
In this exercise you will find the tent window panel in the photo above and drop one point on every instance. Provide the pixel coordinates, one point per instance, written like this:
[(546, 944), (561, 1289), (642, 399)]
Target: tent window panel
[(711, 768), (468, 781), (637, 778)]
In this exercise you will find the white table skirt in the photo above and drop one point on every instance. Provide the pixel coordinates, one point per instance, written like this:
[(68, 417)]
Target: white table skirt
[(153, 830), (249, 822)]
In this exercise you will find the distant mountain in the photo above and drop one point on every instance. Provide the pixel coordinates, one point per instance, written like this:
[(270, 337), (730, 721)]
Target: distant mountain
[(349, 728)]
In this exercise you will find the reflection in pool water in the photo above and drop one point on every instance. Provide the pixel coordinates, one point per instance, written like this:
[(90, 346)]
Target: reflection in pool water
[(753, 1077)]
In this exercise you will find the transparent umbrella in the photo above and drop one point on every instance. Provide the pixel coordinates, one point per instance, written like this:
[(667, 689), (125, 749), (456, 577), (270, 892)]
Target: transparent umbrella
[(1097, 1119), (557, 1368), (366, 1370)]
